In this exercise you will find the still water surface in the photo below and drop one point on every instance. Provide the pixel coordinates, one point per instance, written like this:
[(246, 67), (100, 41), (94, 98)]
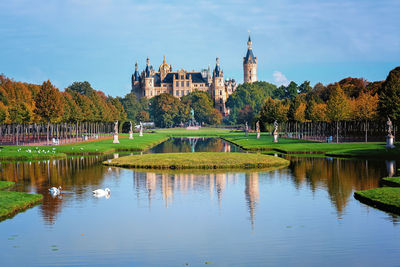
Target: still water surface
[(303, 215)]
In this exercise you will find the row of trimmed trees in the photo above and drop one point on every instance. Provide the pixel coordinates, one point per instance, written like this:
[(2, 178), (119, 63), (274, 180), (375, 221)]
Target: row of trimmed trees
[(79, 110)]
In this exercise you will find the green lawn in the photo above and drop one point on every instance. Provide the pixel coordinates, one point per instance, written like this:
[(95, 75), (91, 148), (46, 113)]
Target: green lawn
[(200, 160), (5, 184), (295, 146), (103, 146), (385, 198), (392, 181), (13, 202)]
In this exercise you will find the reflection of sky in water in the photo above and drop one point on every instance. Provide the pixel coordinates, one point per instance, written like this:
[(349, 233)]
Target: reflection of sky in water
[(301, 215)]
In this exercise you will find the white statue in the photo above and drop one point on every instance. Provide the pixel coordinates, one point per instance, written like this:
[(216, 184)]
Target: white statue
[(130, 130), (389, 137), (116, 141), (275, 132), (141, 129), (246, 128), (258, 129)]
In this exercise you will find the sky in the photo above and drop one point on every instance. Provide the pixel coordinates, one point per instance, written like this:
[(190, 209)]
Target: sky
[(99, 41)]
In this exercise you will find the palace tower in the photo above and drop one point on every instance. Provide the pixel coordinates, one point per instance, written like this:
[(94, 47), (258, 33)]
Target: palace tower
[(249, 65)]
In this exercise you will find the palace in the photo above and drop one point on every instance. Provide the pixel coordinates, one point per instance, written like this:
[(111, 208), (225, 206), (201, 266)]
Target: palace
[(150, 83)]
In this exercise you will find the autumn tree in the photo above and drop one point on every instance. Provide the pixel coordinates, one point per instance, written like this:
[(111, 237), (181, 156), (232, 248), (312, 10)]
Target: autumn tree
[(274, 109), (49, 105), (337, 107), (366, 109), (3, 113)]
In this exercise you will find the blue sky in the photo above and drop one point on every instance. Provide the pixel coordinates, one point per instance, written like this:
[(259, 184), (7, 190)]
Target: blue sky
[(100, 40)]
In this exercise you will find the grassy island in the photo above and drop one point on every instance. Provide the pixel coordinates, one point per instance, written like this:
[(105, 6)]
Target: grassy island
[(13, 202), (200, 160), (384, 198)]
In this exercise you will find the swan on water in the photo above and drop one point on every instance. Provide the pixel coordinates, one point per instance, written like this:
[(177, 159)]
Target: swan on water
[(102, 193), (55, 190)]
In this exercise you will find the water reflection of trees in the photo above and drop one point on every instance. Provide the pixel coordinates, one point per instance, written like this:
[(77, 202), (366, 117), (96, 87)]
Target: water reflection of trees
[(39, 176), (339, 177)]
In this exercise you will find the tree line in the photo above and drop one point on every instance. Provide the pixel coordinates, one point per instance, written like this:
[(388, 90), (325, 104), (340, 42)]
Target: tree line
[(351, 99)]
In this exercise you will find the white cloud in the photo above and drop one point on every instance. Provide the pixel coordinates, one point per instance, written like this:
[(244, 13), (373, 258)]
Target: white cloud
[(280, 79)]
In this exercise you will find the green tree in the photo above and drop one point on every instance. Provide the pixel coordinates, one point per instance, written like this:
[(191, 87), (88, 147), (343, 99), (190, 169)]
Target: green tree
[(48, 104), (131, 106), (252, 94), (389, 97), (164, 109), (291, 91), (305, 87), (19, 113), (203, 107), (83, 88)]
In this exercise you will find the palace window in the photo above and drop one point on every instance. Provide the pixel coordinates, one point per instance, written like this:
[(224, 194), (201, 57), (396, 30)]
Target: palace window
[(182, 84), (220, 108), (177, 93), (220, 100), (182, 77), (187, 84), (220, 92), (177, 84), (182, 92), (187, 92)]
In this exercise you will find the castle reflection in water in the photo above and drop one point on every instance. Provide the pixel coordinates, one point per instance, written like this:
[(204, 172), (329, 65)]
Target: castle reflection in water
[(167, 184)]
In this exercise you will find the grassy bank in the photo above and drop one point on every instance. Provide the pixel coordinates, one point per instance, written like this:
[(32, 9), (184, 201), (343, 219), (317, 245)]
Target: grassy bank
[(384, 198), (200, 160), (391, 181), (13, 202), (295, 146), (96, 147)]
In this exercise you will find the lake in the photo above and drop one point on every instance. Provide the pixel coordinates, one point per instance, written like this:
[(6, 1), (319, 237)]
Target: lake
[(302, 215)]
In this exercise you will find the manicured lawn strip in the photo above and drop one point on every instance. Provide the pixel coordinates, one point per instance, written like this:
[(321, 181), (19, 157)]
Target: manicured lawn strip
[(13, 202), (391, 181), (98, 147), (295, 146), (199, 160), (384, 198), (203, 131), (6, 184)]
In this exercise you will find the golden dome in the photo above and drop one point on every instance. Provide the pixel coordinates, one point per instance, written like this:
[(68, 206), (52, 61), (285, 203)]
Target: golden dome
[(164, 66)]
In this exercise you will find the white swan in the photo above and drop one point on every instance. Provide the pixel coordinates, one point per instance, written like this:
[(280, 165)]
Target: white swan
[(102, 193), (55, 191)]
